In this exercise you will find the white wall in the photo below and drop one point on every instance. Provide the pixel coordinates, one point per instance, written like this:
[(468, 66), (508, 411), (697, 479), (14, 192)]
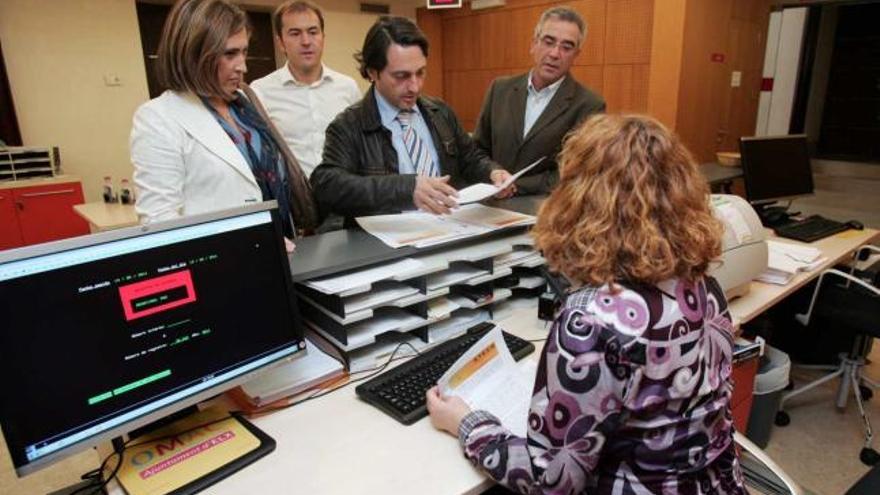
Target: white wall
[(58, 52)]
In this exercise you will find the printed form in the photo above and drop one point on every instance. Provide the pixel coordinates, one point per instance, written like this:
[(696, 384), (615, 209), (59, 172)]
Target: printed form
[(486, 377)]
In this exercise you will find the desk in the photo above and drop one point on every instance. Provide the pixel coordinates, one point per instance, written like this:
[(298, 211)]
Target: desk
[(107, 216), (762, 296), (338, 444)]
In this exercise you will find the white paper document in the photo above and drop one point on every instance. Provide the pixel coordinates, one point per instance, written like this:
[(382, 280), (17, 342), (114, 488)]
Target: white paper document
[(481, 191), (486, 377), (293, 377), (421, 229), (341, 283), (785, 260)]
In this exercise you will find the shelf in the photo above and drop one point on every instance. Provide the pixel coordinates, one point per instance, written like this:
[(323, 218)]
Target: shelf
[(28, 162), (366, 313)]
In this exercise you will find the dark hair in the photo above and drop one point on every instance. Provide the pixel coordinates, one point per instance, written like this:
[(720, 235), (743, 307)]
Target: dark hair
[(193, 40), (295, 6), (387, 30)]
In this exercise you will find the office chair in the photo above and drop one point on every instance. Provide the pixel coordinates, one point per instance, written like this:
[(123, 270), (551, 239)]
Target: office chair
[(852, 306), (761, 474)]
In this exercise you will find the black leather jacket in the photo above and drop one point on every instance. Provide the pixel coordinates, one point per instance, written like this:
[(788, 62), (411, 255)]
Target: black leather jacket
[(358, 174)]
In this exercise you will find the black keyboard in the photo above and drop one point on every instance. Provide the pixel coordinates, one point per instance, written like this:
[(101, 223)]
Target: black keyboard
[(400, 392), (810, 229)]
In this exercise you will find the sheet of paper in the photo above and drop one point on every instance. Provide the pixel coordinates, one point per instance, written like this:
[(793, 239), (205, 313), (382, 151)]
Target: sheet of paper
[(489, 217), (363, 333), (481, 191), (454, 275), (734, 219), (486, 377), (341, 283), (417, 228), (792, 258), (381, 293)]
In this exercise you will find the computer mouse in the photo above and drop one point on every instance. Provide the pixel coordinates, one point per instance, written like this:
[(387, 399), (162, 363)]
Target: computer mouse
[(855, 224)]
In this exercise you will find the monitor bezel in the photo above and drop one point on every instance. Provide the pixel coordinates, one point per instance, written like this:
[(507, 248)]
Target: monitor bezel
[(296, 351), (746, 175)]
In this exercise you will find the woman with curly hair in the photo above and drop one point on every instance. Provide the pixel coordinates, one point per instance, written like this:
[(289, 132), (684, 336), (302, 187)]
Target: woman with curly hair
[(633, 389)]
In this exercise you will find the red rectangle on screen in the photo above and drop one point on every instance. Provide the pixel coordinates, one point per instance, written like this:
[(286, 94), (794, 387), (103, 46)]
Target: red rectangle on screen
[(157, 294)]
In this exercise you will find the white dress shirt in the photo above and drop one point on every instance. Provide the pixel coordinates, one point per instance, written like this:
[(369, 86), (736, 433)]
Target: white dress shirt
[(302, 112), (537, 101)]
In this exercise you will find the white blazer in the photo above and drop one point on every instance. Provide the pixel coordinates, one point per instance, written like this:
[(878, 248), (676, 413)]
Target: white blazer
[(184, 162)]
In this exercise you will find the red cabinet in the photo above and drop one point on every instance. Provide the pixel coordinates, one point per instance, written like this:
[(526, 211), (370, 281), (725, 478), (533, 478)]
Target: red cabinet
[(743, 385), (10, 234), (32, 214)]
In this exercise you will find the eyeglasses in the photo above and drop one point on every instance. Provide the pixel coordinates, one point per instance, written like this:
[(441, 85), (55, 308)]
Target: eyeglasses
[(565, 46)]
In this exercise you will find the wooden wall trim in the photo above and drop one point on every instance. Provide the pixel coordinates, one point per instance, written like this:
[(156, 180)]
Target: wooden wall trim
[(667, 48)]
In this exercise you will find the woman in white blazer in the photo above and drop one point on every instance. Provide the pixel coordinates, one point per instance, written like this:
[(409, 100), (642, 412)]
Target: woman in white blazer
[(203, 145)]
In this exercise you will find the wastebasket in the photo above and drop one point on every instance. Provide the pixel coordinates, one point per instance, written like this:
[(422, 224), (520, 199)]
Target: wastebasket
[(770, 382)]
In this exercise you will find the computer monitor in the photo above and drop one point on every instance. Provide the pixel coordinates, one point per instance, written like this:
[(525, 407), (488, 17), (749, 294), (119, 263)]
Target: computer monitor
[(776, 167), (106, 333)]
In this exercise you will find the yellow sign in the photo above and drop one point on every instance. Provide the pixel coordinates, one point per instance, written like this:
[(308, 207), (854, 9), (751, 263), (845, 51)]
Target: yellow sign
[(183, 452)]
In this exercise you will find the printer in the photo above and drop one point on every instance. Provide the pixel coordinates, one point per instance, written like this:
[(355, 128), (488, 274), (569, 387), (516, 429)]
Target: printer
[(744, 246)]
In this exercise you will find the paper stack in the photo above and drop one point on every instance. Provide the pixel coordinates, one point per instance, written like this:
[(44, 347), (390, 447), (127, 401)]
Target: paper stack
[(421, 229), (293, 377), (785, 260)]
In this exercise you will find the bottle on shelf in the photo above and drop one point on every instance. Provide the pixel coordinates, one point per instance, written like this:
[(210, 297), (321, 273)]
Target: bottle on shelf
[(125, 195), (109, 196)]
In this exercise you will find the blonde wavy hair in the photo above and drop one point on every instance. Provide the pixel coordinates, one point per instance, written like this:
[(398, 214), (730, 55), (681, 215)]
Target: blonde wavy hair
[(630, 205)]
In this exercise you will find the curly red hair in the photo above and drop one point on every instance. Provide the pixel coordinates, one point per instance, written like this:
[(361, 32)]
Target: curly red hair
[(630, 205)]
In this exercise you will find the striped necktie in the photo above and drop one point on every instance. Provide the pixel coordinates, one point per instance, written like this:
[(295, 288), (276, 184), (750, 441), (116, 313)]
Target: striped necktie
[(415, 147)]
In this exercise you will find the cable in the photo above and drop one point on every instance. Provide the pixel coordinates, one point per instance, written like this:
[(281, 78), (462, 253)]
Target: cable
[(97, 474), (321, 393)]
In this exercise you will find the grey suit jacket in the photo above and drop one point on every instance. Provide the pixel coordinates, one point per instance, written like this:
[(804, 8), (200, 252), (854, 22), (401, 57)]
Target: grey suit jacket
[(500, 128)]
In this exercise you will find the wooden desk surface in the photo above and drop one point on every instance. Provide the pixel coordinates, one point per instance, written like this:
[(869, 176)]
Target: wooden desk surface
[(338, 444), (762, 296), (107, 216)]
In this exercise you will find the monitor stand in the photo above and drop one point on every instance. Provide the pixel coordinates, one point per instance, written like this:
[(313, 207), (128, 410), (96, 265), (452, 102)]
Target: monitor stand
[(771, 215), (83, 487), (205, 472)]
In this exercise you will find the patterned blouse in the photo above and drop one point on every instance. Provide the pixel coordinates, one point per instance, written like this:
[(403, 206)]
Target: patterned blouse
[(632, 396)]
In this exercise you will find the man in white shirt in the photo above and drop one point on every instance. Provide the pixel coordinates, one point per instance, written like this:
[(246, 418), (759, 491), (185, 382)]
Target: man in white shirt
[(304, 96)]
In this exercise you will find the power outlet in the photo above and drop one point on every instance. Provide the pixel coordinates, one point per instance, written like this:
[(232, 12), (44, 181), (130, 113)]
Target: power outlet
[(112, 80), (735, 79)]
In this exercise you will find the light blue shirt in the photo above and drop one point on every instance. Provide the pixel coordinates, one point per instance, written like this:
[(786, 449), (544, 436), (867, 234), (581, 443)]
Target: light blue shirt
[(537, 101), (388, 114)]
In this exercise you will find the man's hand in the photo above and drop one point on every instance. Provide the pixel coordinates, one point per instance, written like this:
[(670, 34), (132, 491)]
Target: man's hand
[(446, 412), (498, 177), (434, 194)]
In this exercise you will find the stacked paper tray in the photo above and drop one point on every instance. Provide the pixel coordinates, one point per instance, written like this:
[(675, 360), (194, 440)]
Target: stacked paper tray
[(423, 299)]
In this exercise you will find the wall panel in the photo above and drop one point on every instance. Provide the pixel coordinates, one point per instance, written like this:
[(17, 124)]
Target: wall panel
[(481, 45), (626, 88), (628, 37)]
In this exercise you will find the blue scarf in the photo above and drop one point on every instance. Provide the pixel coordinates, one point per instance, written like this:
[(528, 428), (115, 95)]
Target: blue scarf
[(260, 151)]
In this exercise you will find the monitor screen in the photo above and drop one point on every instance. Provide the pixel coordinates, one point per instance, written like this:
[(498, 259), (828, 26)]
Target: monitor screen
[(106, 333), (776, 167)]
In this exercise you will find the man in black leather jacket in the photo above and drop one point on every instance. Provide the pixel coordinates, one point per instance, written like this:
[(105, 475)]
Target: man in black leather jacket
[(371, 165)]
